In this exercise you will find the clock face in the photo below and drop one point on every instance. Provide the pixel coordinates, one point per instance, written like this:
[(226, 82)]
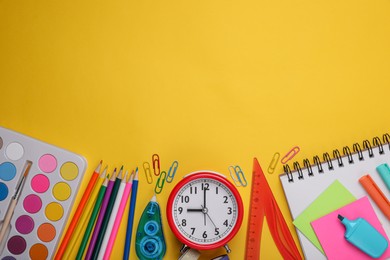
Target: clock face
[(205, 210)]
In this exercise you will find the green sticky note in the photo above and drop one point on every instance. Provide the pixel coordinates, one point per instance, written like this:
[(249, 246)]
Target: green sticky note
[(334, 197)]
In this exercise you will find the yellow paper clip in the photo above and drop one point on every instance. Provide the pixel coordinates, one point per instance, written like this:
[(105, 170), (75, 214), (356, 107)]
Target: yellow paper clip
[(160, 182), (238, 176), (156, 164), (233, 175), (172, 171), (148, 173), (274, 162), (290, 154)]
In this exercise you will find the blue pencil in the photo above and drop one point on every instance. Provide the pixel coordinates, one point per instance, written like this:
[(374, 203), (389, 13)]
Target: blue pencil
[(129, 230)]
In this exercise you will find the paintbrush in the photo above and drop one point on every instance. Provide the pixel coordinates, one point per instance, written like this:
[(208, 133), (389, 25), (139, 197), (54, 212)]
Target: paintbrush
[(12, 205)]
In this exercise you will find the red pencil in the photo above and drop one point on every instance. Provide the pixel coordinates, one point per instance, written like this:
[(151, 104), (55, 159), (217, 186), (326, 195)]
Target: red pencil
[(77, 214)]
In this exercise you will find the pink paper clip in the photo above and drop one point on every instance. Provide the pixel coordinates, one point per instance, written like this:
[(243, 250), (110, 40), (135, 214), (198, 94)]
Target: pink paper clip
[(156, 164), (290, 154)]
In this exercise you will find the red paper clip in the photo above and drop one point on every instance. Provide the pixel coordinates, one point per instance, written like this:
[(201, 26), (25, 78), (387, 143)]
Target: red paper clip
[(156, 164), (290, 154)]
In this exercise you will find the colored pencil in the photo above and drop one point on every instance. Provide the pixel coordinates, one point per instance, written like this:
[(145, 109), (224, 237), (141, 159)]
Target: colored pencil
[(85, 215), (107, 215), (118, 218), (113, 215), (77, 214), (130, 220), (99, 221), (92, 219)]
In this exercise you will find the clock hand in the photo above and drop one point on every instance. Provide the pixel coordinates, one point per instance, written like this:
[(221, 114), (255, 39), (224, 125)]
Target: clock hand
[(204, 203), (205, 212), (211, 220), (204, 196), (194, 210)]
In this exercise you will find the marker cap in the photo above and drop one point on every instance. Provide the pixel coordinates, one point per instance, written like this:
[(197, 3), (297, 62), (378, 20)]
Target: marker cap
[(384, 172)]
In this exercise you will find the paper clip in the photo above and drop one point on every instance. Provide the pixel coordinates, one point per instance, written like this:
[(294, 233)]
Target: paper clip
[(148, 173), (241, 176), (172, 171), (160, 182), (238, 176), (156, 164), (233, 175), (290, 154), (273, 163)]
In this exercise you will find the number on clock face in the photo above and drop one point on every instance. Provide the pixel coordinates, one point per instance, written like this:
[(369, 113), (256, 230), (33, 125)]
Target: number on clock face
[(205, 211)]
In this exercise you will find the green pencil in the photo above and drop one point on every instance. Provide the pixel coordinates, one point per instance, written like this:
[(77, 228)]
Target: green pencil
[(107, 215), (92, 219)]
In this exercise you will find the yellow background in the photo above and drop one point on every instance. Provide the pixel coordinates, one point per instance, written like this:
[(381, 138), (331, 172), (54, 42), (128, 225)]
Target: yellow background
[(208, 83)]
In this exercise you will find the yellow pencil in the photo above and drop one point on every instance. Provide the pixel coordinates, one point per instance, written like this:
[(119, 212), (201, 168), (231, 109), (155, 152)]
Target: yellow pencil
[(85, 216)]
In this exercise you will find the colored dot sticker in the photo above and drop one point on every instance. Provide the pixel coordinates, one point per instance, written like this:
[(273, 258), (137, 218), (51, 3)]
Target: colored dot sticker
[(8, 258), (46, 232), (54, 211), (32, 203), (16, 245), (40, 183), (24, 224), (69, 171), (14, 151), (47, 163), (3, 191), (38, 252), (61, 191), (7, 171)]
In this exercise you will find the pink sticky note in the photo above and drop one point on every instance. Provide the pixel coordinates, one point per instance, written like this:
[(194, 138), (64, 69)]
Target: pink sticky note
[(330, 231)]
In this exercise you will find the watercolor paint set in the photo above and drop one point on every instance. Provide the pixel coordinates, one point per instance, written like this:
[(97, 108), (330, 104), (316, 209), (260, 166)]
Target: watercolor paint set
[(38, 185)]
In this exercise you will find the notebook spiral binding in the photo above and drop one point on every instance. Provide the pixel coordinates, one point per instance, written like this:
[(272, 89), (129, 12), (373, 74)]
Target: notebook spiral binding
[(337, 158)]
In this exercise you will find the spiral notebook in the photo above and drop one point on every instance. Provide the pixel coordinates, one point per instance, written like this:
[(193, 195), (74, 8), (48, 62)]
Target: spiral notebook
[(304, 183)]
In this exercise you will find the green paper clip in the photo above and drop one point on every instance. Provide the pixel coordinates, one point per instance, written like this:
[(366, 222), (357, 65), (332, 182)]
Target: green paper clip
[(160, 182), (172, 171)]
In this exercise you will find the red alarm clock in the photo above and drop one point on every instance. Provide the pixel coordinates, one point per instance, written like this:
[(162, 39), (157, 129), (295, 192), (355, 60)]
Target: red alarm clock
[(205, 210)]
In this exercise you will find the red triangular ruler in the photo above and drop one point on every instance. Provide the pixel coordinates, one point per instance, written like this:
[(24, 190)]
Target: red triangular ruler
[(263, 204)]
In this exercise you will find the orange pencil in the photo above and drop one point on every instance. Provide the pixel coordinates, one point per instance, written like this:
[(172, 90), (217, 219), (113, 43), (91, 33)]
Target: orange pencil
[(77, 214)]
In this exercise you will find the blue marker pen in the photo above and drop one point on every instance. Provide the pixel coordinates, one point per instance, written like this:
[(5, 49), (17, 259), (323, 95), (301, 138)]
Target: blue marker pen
[(364, 236), (384, 172)]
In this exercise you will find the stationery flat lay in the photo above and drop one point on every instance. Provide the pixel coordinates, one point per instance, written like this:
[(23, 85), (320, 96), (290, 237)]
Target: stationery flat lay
[(209, 130)]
